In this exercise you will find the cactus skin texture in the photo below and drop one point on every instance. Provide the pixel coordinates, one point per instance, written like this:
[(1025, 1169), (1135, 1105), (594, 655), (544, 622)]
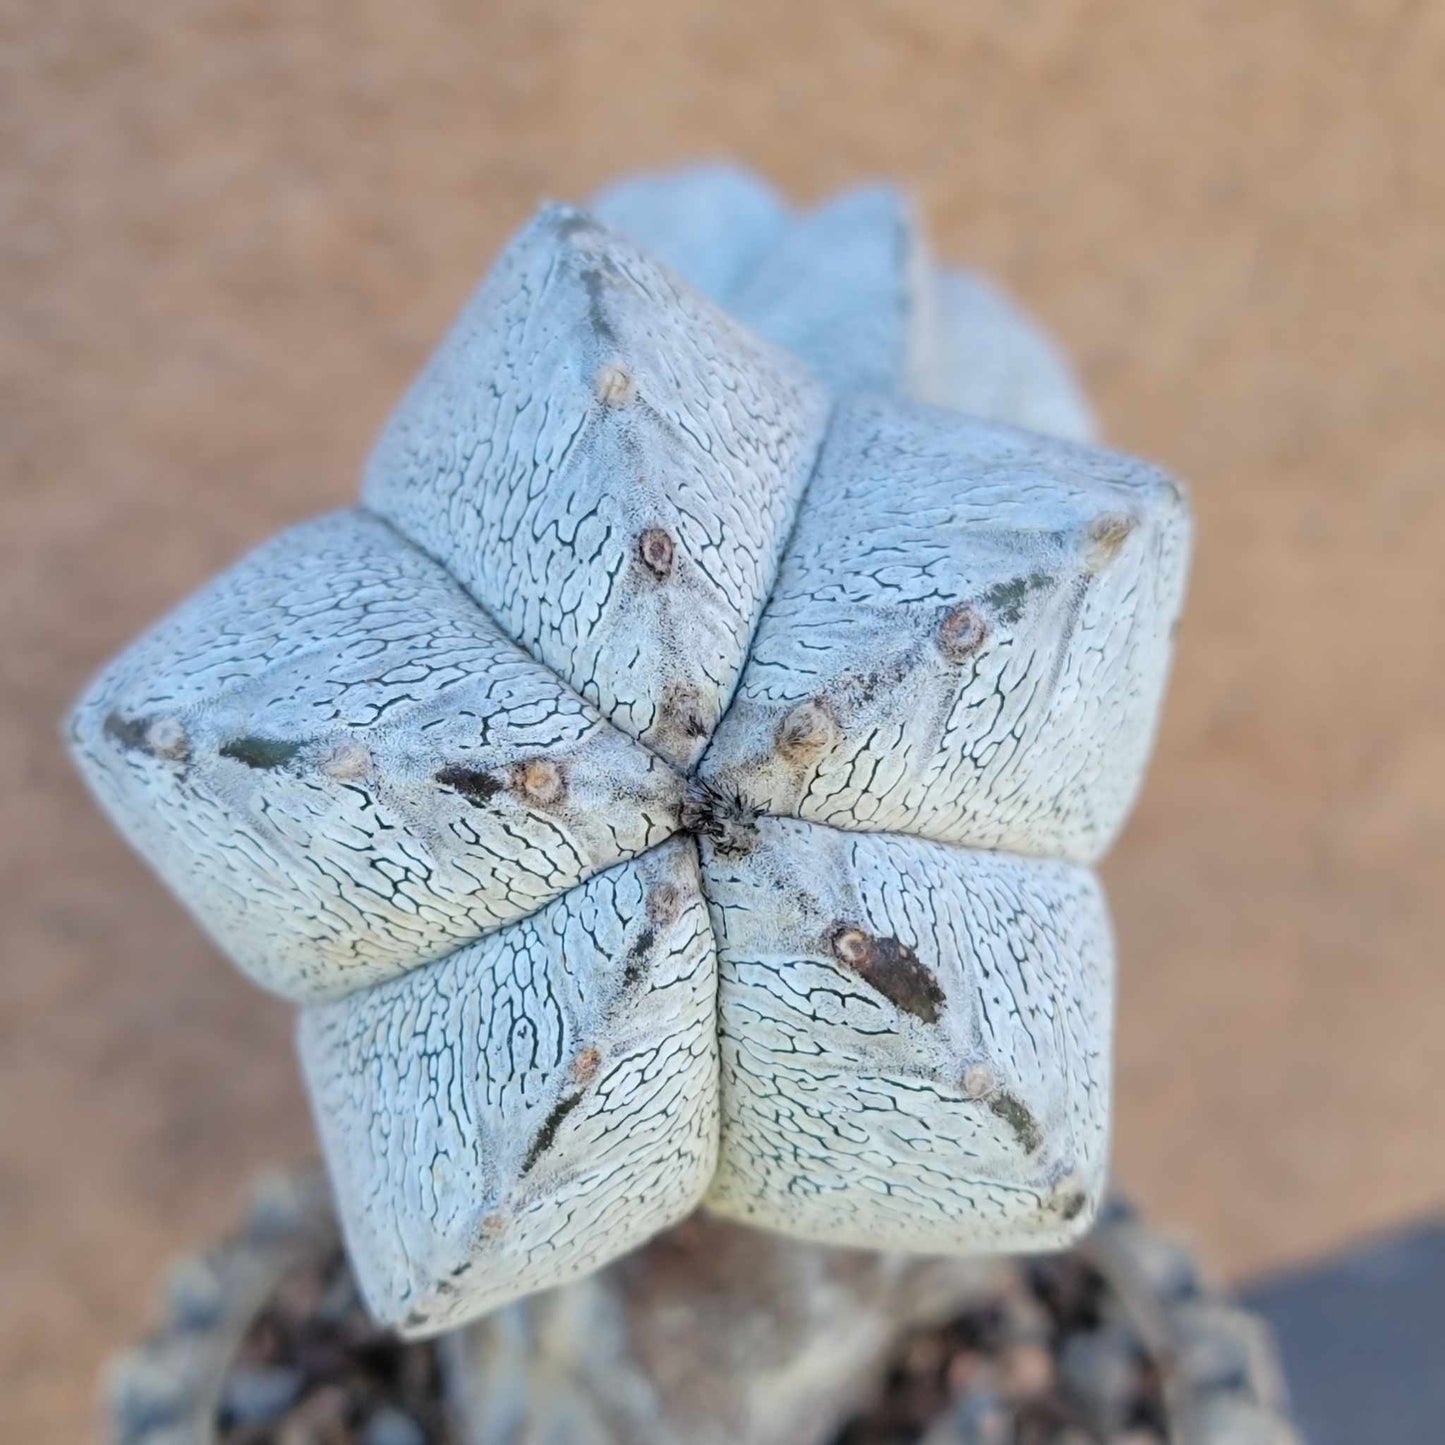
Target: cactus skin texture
[(678, 781)]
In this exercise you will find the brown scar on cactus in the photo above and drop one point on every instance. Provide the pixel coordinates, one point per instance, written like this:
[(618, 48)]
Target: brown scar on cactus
[(961, 632), (637, 957), (261, 753), (1068, 1194), (889, 966), (1072, 1205), (548, 1132), (1107, 536), (128, 732), (980, 1084), (1019, 1117), (536, 781), (596, 276), (476, 785), (1007, 598), (656, 551)]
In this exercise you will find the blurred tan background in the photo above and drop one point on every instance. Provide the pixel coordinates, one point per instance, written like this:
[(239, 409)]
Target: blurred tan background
[(229, 232)]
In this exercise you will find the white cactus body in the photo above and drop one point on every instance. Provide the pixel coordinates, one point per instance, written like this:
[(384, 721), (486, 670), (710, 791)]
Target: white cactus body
[(531, 1105), (987, 359), (915, 1040), (978, 655), (685, 791), (850, 287), (711, 224), (609, 465), (357, 772)]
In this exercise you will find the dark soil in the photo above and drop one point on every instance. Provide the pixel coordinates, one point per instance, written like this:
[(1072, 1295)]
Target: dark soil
[(314, 1369), (1049, 1362)]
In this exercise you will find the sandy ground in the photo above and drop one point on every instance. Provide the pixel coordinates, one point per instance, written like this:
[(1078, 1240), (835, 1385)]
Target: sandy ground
[(228, 233)]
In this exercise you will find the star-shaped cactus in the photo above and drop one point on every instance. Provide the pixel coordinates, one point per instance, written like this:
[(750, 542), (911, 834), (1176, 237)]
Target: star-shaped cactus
[(678, 781)]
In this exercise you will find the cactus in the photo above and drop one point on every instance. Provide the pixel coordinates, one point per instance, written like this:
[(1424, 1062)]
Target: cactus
[(678, 782)]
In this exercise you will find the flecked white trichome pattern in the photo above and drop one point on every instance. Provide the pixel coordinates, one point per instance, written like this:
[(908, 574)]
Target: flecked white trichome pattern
[(677, 782)]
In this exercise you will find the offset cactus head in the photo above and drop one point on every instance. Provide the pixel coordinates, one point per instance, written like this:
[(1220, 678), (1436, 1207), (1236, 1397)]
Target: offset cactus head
[(677, 782)]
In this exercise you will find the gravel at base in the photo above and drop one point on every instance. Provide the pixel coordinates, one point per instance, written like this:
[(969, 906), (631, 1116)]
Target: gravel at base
[(1048, 1363), (1114, 1343), (314, 1369)]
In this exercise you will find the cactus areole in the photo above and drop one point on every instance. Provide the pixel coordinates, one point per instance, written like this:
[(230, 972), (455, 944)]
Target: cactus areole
[(677, 782)]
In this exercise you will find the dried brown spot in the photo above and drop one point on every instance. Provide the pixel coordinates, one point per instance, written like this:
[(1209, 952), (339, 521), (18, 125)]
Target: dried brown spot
[(597, 279), (637, 958), (979, 1080), (347, 762), (539, 780), (493, 1225), (961, 632), (1017, 1115), (891, 967), (584, 1066), (1007, 600), (614, 384), (656, 550), (548, 1132), (129, 732), (259, 752), (664, 904), (1107, 536), (476, 785), (805, 732)]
